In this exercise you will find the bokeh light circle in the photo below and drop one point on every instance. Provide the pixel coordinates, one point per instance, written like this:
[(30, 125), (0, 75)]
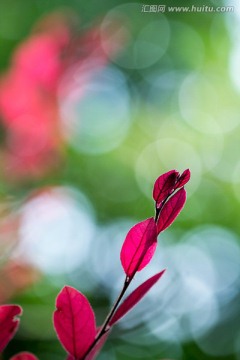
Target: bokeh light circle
[(96, 113), (221, 246), (163, 155), (56, 230), (191, 56), (199, 98), (145, 42)]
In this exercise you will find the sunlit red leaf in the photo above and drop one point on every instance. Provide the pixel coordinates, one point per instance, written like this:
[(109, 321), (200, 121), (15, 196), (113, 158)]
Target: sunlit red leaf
[(164, 185), (139, 246), (74, 322), (183, 179), (8, 323), (171, 210), (135, 297), (24, 356)]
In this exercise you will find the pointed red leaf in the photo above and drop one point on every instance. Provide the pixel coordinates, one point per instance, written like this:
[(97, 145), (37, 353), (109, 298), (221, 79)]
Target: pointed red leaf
[(24, 356), (164, 185), (74, 321), (183, 179), (135, 297), (139, 246), (171, 210), (8, 323)]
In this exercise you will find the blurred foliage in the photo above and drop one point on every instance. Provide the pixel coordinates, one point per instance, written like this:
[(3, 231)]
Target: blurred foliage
[(181, 110)]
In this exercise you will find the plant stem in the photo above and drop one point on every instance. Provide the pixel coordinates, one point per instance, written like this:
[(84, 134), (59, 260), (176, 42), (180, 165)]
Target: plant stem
[(104, 327), (126, 284), (158, 210)]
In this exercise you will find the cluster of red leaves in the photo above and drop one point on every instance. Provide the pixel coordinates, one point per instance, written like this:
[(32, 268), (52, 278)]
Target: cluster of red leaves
[(74, 319), (29, 108)]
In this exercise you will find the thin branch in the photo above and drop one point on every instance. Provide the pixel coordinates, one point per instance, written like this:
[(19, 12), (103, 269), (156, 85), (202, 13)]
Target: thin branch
[(105, 325)]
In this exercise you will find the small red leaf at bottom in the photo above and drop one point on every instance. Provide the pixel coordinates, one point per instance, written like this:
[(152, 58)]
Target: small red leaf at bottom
[(74, 322), (8, 323), (135, 297), (171, 210), (24, 356)]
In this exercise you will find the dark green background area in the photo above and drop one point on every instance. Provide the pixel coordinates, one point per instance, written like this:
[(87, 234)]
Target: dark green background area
[(109, 179)]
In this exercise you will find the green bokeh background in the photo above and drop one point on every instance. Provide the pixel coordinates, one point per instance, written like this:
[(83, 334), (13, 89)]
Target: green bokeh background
[(184, 112)]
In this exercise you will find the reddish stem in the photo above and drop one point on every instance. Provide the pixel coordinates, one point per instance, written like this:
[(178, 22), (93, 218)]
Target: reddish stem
[(105, 325)]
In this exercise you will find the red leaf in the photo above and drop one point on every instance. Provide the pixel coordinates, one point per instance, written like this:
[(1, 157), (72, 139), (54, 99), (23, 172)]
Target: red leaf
[(135, 297), (183, 179), (139, 246), (8, 323), (164, 185), (24, 356), (171, 210), (74, 321)]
